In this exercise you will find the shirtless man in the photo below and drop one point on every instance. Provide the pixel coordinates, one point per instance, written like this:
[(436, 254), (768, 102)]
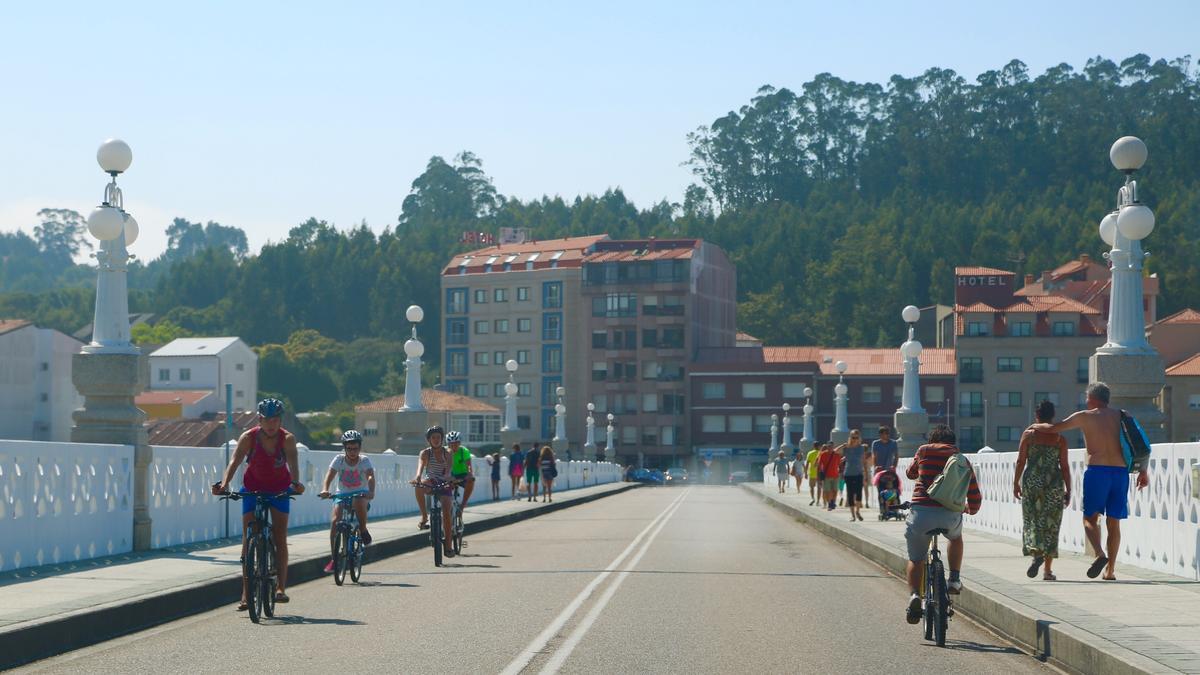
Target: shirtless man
[(1106, 479)]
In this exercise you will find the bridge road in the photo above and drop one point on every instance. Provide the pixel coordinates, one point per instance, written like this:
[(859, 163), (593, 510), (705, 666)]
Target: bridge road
[(700, 579)]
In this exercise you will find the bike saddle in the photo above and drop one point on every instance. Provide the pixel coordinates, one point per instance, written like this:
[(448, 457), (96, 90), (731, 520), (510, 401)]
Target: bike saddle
[(939, 532)]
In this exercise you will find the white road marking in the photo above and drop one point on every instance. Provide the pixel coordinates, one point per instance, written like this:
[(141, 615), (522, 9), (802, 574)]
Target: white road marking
[(539, 643), (560, 657)]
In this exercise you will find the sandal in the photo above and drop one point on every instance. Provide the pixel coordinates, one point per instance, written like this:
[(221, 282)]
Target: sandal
[(1034, 566), (1049, 576), (242, 607), (1097, 566), (422, 526), (280, 596)]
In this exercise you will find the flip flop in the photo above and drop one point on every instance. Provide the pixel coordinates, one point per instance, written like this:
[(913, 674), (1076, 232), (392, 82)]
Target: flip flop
[(1049, 577), (280, 596), (1034, 566), (422, 526), (1108, 578), (242, 607), (1097, 567)]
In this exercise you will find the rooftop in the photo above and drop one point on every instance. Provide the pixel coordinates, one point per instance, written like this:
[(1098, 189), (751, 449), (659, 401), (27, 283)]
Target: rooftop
[(1188, 315), (434, 401), (195, 346), (643, 249), (565, 252), (981, 270), (1189, 366), (168, 396), (886, 361), (9, 325)]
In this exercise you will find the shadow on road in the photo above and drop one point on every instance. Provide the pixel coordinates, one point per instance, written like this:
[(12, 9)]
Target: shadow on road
[(299, 620), (383, 585), (968, 646), (461, 566)]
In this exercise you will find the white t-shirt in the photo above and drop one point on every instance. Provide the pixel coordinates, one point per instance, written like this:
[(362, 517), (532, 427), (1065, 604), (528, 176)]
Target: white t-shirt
[(351, 478)]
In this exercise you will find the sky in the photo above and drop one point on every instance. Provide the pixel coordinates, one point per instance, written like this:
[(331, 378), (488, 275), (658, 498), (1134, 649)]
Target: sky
[(262, 114)]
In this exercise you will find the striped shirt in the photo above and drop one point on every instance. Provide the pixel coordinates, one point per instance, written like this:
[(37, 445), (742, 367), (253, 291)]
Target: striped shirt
[(927, 465), (437, 463)]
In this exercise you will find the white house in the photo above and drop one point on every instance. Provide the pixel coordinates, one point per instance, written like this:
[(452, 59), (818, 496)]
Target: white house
[(208, 364), (37, 396)]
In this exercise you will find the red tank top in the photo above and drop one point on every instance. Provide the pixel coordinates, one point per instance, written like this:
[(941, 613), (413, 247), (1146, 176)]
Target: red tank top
[(267, 472)]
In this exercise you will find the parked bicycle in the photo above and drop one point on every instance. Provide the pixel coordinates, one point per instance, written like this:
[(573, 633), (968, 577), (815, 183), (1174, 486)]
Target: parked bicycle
[(937, 597), (258, 565), (349, 548)]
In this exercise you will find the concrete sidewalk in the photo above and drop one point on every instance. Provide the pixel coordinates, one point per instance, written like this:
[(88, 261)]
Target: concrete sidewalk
[(1144, 622), (53, 609)]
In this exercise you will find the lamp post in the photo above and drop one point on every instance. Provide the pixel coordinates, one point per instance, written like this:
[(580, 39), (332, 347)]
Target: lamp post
[(510, 432), (786, 446), (589, 447), (809, 437), (560, 422), (774, 437), (841, 428), (1127, 362), (110, 371), (910, 419), (609, 452), (413, 349)]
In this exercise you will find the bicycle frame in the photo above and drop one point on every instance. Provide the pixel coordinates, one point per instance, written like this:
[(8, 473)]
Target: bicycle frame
[(348, 555), (258, 563), (937, 600)]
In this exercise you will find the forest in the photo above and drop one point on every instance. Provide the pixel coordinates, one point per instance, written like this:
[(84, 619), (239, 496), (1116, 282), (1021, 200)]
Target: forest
[(839, 202)]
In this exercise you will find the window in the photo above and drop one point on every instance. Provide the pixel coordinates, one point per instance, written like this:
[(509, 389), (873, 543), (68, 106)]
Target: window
[(601, 401), (1063, 328), (480, 390), (480, 296), (1020, 329), (499, 358), (1008, 433), (649, 337), (501, 325), (1008, 364), (552, 296), (522, 294), (456, 331), (629, 435), (550, 387), (164, 374), (871, 395), (650, 436), (500, 295), (457, 387), (456, 362), (650, 305), (523, 422), (935, 394), (898, 395), (524, 325), (371, 428), (668, 436), (650, 370), (970, 369), (552, 326), (547, 423), (240, 366), (762, 424), (977, 328), (672, 305), (483, 358), (615, 304), (523, 356), (456, 300), (649, 402), (970, 438), (239, 394), (793, 390), (672, 338), (483, 327), (741, 424), (712, 424), (1009, 399), (498, 390), (672, 404), (552, 358), (1039, 396), (599, 371), (970, 404), (1194, 401), (45, 397), (185, 374), (599, 339), (754, 390), (524, 390), (713, 390), (1081, 370), (1045, 364)]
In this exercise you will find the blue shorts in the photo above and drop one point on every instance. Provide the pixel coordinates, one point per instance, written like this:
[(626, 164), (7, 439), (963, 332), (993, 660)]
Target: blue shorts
[(281, 504), (1106, 490)]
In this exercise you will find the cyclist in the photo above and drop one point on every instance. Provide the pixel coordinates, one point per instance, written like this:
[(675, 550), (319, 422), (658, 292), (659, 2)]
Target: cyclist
[(927, 514), (354, 472), (434, 464), (461, 466), (272, 465)]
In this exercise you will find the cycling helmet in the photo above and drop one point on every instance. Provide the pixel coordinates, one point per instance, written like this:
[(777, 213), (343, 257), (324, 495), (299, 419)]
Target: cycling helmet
[(453, 437), (270, 407), (434, 430), (351, 436)]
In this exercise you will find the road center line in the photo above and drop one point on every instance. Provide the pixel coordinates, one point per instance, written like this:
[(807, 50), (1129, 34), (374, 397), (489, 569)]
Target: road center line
[(560, 657), (539, 643)]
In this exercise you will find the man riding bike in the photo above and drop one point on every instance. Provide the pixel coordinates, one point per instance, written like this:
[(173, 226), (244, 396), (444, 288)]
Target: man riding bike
[(354, 472), (433, 464), (461, 467), (272, 466)]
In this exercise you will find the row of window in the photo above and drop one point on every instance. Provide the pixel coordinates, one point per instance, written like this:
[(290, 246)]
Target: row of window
[(670, 337), (1020, 328), (970, 368), (500, 357), (970, 403), (456, 359), (738, 424), (626, 304), (496, 389), (631, 404), (794, 391), (500, 295), (628, 371), (456, 298), (648, 436), (657, 271)]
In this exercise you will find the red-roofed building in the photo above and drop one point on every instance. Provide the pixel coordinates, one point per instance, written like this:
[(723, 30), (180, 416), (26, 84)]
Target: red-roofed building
[(166, 404), (478, 421), (1180, 400)]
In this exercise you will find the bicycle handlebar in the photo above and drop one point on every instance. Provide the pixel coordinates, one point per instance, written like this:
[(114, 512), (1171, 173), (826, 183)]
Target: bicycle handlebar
[(239, 494)]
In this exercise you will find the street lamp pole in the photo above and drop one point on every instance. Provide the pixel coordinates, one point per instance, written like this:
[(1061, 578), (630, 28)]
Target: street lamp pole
[(560, 422), (841, 427), (809, 437), (589, 447), (610, 453), (910, 419), (786, 446), (413, 349), (774, 437)]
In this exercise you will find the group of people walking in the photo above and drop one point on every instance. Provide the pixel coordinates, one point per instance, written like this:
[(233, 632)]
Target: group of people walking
[(837, 474), (528, 470)]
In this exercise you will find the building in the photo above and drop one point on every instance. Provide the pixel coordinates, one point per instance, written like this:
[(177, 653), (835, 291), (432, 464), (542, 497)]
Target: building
[(208, 431), (37, 395), (1177, 340), (735, 391), (177, 403), (1089, 282), (208, 364), (379, 421)]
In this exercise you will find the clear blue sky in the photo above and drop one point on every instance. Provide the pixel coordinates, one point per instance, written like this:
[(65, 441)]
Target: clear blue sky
[(260, 114)]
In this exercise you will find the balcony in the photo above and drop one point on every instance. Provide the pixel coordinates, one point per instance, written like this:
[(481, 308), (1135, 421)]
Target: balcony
[(970, 410)]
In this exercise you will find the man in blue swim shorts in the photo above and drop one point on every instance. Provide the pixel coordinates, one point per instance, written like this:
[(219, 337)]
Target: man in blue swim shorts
[(1106, 479)]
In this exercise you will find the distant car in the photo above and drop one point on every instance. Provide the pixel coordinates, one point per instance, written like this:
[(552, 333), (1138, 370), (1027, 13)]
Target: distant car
[(676, 476), (657, 477), (739, 477)]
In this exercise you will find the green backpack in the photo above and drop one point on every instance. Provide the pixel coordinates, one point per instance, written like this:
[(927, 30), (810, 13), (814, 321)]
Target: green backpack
[(950, 488)]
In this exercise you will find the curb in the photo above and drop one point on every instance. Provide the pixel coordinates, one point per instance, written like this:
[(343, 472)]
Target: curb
[(1049, 640), (52, 636)]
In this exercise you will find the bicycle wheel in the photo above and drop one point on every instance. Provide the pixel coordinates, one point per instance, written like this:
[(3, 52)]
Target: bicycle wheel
[(341, 545), (458, 531), (266, 577), (943, 606), (435, 535), (250, 575), (929, 610), (358, 550)]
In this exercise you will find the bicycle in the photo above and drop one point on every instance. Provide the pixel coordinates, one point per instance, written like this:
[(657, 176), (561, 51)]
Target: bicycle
[(937, 611), (258, 565), (456, 521), (349, 549), (433, 493)]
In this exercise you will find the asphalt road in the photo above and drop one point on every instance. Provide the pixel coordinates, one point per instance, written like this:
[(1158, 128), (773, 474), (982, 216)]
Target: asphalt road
[(693, 579)]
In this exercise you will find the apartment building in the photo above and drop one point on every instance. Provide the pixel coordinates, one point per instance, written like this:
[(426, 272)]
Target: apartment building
[(188, 365), (37, 395)]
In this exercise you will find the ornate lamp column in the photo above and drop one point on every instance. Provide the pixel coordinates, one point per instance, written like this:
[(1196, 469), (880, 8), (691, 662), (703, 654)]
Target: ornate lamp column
[(589, 447), (786, 446), (774, 437), (110, 371), (610, 453), (509, 432), (560, 423), (413, 349), (1127, 362), (809, 437), (911, 420), (841, 427)]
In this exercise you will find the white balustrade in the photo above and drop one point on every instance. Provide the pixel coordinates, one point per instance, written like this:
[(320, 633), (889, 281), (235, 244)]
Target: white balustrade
[(63, 502)]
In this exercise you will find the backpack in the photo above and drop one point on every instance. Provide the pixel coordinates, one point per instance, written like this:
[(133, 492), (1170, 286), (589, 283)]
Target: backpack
[(950, 487), (1134, 444)]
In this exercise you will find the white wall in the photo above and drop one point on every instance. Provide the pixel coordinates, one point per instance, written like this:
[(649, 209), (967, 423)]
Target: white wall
[(62, 502), (203, 372), (213, 372), (18, 400), (35, 364)]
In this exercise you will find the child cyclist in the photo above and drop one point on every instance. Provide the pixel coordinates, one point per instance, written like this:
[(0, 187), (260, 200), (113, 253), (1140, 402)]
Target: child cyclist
[(354, 473)]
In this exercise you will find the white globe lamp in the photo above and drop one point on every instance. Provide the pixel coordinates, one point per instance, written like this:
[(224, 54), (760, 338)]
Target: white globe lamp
[(1108, 229), (1135, 221), (510, 366), (414, 349), (510, 388), (1128, 154), (414, 314), (106, 223), (131, 230), (114, 156), (911, 349), (840, 389), (910, 314)]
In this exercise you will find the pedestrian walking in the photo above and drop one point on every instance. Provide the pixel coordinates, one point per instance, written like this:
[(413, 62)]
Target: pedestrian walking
[(532, 473), (797, 470), (1042, 482), (853, 454), (828, 463), (884, 455), (494, 460), (516, 469), (780, 468), (548, 468), (810, 470)]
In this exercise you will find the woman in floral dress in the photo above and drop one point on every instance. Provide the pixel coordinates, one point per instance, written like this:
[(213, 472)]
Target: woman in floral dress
[(1042, 482)]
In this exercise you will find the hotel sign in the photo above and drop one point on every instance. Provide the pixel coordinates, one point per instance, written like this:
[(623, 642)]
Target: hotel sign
[(976, 281)]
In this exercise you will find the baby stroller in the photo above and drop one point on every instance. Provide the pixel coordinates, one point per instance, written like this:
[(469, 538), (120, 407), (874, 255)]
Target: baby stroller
[(888, 484)]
